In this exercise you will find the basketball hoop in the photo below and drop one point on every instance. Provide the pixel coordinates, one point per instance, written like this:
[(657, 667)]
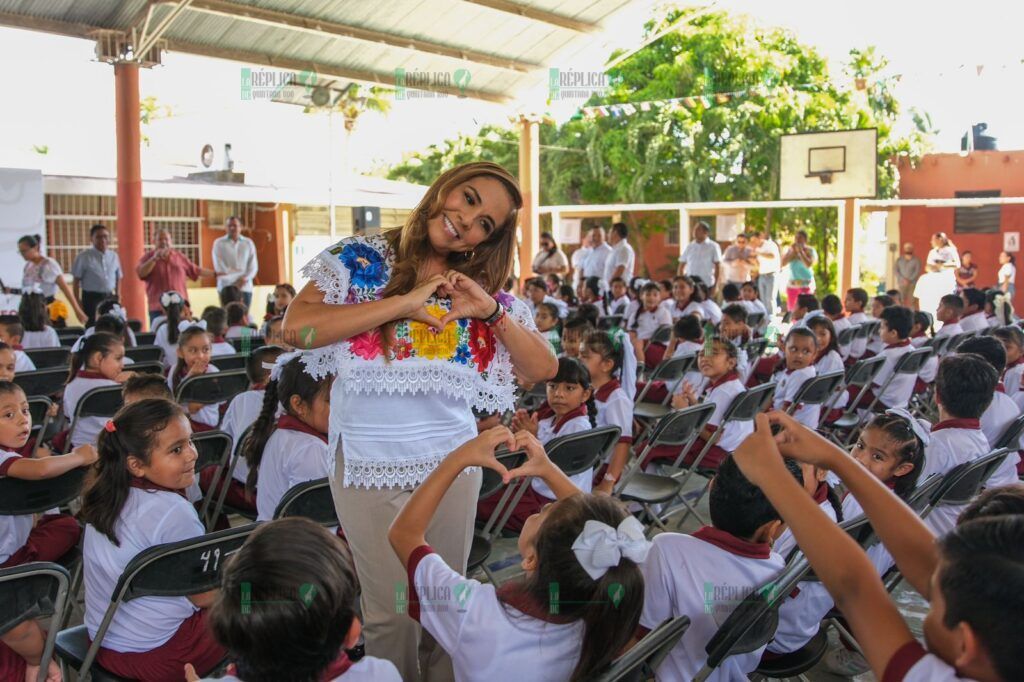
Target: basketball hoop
[(826, 178)]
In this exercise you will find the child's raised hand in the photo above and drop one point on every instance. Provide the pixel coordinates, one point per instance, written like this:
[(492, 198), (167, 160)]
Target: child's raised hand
[(537, 461), (480, 450), (798, 442), (87, 453), (758, 456)]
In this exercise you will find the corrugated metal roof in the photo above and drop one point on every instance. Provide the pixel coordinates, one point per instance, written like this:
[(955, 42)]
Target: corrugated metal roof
[(504, 44)]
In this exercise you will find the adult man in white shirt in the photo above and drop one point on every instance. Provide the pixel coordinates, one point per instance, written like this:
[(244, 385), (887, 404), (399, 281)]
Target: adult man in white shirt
[(702, 256), (234, 257), (769, 260), (599, 254), (579, 259), (738, 260), (623, 258)]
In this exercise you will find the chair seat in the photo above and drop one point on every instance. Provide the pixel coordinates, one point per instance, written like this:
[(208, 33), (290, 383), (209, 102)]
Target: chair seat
[(72, 645), (244, 513), (846, 421), (796, 662), (651, 410), (478, 552), (650, 488)]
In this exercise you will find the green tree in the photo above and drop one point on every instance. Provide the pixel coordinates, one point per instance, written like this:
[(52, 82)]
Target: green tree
[(151, 110)]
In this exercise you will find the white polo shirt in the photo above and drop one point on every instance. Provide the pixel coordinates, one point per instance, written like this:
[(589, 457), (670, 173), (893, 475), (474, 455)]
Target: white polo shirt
[(711, 311), (974, 322), (14, 530), (700, 259), (622, 254), (366, 669), (291, 457), (691, 308), (86, 429), (208, 414), (913, 663), (722, 393), (22, 362), (703, 576), (788, 386), (646, 322), (222, 348), (619, 305), (242, 411), (576, 421), (898, 392), (684, 348), (149, 517), (490, 634), (46, 338), (235, 259), (614, 408), (1012, 377), (858, 346), (953, 442), (949, 329), (593, 266), (997, 416)]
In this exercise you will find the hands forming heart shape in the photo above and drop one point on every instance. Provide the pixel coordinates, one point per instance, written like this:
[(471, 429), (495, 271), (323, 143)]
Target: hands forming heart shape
[(468, 299)]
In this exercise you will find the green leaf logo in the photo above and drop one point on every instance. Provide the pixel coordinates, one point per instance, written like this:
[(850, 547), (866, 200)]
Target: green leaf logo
[(462, 592), (308, 334), (616, 592), (307, 592)]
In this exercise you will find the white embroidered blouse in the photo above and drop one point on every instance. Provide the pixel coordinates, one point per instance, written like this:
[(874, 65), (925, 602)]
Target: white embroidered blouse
[(397, 418)]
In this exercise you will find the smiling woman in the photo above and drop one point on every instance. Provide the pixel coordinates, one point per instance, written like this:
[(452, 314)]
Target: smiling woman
[(415, 327)]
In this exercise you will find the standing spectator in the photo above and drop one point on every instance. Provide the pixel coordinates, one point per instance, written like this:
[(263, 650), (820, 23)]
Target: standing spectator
[(966, 273), (769, 260), (738, 260), (599, 255), (234, 259), (44, 272), (701, 257), (97, 273), (908, 269), (623, 258), (800, 257), (579, 258), (166, 269), (1007, 274), (550, 259), (944, 254)]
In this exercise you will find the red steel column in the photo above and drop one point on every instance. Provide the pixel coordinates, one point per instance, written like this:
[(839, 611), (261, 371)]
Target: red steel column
[(130, 239)]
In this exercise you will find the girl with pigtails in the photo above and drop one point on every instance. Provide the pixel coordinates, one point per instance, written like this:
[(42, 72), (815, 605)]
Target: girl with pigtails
[(416, 328)]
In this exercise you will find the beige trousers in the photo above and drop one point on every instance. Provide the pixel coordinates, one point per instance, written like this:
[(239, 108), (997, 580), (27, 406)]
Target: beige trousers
[(366, 515)]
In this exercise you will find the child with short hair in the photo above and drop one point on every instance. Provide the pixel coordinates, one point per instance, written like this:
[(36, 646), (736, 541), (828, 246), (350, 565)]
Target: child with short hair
[(537, 293), (801, 349), (238, 320), (216, 324), (734, 328), (855, 302), (193, 359), (973, 319), (646, 319), (8, 362), (493, 629), (100, 362), (949, 312), (146, 462), (878, 304), (806, 307), (574, 330), (24, 539), (591, 294), (684, 574), (620, 296), (546, 319), (307, 634), (750, 301), (282, 452), (11, 333), (975, 621), (894, 333), (34, 321), (1012, 339), (603, 358), (142, 386), (921, 330)]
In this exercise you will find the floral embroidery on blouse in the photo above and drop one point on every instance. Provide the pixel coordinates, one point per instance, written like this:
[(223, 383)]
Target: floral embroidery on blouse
[(366, 267)]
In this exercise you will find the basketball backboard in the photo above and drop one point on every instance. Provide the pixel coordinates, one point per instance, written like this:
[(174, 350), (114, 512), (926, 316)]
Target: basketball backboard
[(839, 164)]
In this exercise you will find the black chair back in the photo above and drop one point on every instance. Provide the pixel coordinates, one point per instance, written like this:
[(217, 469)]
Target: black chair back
[(579, 452), (863, 371), (845, 337), (20, 496), (39, 409), (104, 401), (755, 319), (229, 362), (45, 382), (145, 338), (911, 363), (819, 389), (861, 331), (644, 658), (491, 481), (956, 339), (67, 339), (135, 326), (672, 370), (35, 590), (750, 403), (147, 368), (755, 348), (679, 426), (212, 388), (965, 481), (535, 397), (662, 335), (609, 322), (213, 447), (311, 500), (45, 358), (921, 497), (1010, 437), (144, 354)]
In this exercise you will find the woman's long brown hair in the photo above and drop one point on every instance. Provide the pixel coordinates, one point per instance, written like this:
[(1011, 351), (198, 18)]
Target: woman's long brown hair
[(490, 262)]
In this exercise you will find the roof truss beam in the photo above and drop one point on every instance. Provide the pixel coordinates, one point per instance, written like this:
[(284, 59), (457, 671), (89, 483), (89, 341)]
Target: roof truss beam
[(539, 15)]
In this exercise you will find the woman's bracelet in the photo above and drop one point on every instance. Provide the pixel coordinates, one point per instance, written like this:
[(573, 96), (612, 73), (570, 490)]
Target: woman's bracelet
[(496, 316)]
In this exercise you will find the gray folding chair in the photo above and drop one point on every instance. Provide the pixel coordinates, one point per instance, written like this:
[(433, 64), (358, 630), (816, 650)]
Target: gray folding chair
[(640, 662), (817, 391), (859, 378), (144, 354), (490, 484), (909, 364), (34, 590), (208, 389), (662, 334), (311, 500), (45, 382), (221, 505), (45, 358), (103, 401), (229, 362), (214, 450), (670, 373), (39, 407)]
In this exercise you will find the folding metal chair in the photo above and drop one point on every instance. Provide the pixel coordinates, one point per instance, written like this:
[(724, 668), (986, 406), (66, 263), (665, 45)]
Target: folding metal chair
[(212, 388), (144, 354), (744, 408), (609, 322), (752, 624), (964, 481), (145, 338), (35, 590), (817, 391), (1010, 437), (845, 337), (135, 326), (39, 409), (229, 474), (68, 338), (662, 335), (533, 398), (45, 358), (755, 348), (175, 569), (670, 372), (229, 362), (754, 320), (858, 377), (908, 364), (103, 401), (956, 339), (490, 484), (311, 500), (214, 449), (677, 429), (42, 382), (146, 368), (642, 660)]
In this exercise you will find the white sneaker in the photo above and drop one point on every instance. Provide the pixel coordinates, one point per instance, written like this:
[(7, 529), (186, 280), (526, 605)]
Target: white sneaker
[(845, 663)]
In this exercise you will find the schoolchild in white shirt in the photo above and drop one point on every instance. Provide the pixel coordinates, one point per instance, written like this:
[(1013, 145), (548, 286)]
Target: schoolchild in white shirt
[(100, 362), (734, 327), (11, 333), (571, 399), (828, 358), (895, 335), (603, 358), (1001, 412), (832, 306), (176, 310), (647, 318), (919, 336), (284, 451), (749, 299), (973, 628), (34, 320), (855, 302), (216, 324), (973, 319), (1012, 339), (620, 297), (878, 304), (146, 461), (704, 575), (949, 312), (537, 292), (307, 634), (801, 350), (575, 329), (686, 298), (193, 359), (584, 544), (238, 321)]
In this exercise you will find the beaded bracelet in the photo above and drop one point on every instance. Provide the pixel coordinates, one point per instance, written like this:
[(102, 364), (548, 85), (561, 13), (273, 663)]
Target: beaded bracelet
[(496, 316)]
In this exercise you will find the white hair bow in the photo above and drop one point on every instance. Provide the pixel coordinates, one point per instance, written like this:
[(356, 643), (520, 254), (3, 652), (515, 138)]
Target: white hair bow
[(77, 346), (920, 427), (117, 311), (170, 298), (187, 324), (599, 546), (282, 360)]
